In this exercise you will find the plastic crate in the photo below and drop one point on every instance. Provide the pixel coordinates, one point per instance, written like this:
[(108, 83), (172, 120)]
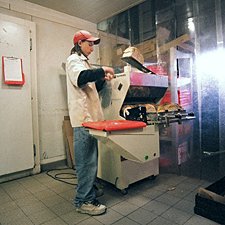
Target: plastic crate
[(209, 208)]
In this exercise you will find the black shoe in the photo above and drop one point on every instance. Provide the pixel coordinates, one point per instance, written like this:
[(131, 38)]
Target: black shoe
[(99, 191)]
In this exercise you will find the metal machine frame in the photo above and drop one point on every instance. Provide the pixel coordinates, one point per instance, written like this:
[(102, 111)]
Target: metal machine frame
[(127, 156)]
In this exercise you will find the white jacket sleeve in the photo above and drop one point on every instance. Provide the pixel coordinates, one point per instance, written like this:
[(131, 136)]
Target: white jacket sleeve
[(74, 66)]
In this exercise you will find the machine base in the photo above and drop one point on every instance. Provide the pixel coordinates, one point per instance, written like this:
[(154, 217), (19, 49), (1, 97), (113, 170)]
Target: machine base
[(122, 172)]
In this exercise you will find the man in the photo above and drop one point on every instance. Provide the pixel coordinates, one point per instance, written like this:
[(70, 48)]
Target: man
[(83, 85)]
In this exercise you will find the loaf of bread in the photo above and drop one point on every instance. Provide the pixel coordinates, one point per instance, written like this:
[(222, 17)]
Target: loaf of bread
[(150, 108), (160, 109), (134, 53), (172, 107), (169, 107)]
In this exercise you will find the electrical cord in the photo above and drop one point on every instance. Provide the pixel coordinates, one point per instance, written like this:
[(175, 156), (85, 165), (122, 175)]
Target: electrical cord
[(61, 176)]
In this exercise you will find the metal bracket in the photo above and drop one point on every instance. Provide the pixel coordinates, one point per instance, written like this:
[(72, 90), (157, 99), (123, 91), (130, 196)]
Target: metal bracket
[(213, 153)]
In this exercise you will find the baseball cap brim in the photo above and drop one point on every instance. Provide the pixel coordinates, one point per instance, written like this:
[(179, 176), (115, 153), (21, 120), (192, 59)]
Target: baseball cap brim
[(94, 39)]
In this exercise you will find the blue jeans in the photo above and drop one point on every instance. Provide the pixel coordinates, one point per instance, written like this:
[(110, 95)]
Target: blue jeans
[(86, 163)]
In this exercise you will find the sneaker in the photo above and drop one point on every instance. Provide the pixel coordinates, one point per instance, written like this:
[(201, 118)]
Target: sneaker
[(93, 208)]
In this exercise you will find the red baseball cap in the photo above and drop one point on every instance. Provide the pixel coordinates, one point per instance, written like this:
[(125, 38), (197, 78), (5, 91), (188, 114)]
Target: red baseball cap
[(85, 35)]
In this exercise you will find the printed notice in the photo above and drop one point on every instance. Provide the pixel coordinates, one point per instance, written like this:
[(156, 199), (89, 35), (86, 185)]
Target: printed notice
[(13, 70)]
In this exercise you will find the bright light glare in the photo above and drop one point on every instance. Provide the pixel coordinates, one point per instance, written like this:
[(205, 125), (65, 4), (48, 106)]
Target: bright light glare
[(212, 64), (191, 25)]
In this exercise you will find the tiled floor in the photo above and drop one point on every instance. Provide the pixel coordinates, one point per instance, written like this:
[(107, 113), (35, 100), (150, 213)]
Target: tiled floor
[(40, 199)]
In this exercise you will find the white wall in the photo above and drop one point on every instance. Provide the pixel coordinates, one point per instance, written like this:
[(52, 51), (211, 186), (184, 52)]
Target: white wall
[(54, 34)]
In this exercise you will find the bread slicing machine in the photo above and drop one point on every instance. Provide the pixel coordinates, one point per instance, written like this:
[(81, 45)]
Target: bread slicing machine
[(128, 154)]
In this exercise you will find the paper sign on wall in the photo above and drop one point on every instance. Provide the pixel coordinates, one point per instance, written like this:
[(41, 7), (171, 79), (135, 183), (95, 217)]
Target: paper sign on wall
[(12, 70)]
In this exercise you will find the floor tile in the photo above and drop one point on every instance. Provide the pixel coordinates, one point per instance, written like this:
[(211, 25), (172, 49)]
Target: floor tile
[(172, 215), (160, 186), (172, 182), (10, 185), (126, 221), (7, 207), (43, 178), (33, 208), (26, 201), (185, 206), (59, 187), (73, 217), (178, 191), (42, 216), (191, 197), (53, 200), (63, 208), (56, 221), (11, 216), (111, 199), (137, 199), (35, 187), (68, 195), (169, 199), (19, 221), (90, 221), (109, 217), (4, 197), (17, 192), (152, 193), (156, 207), (198, 220), (124, 208), (162, 221), (47, 193), (142, 216), (188, 185), (29, 182)]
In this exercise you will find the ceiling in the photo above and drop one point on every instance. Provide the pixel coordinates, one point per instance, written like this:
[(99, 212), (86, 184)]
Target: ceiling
[(94, 11)]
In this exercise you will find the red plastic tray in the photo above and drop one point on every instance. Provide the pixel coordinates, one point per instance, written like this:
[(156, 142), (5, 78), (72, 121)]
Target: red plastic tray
[(113, 125)]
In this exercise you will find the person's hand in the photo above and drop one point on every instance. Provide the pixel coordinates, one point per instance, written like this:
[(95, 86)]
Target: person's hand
[(108, 76), (109, 73)]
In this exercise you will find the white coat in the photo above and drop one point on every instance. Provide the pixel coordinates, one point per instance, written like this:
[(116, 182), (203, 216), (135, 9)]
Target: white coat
[(83, 103)]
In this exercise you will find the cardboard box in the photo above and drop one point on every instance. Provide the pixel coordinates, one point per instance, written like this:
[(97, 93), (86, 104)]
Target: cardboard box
[(68, 137), (210, 202)]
